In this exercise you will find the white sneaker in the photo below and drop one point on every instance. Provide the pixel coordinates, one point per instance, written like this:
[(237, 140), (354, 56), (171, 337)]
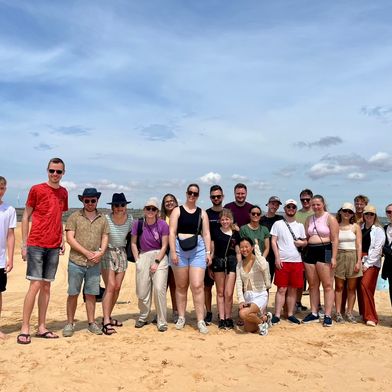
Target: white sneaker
[(370, 323), (269, 319), (180, 324), (202, 327), (263, 329)]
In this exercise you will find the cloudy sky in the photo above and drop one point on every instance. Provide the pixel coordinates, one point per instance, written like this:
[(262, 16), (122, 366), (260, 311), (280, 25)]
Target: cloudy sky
[(144, 97)]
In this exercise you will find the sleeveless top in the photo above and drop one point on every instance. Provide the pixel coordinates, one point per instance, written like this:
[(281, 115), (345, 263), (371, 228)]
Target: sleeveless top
[(347, 239), (187, 223), (321, 223)]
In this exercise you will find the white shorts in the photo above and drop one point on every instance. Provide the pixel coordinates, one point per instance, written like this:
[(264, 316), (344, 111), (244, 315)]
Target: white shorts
[(258, 298)]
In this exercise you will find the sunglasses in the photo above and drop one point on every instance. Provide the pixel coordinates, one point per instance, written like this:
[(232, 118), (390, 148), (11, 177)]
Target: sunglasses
[(347, 211), (151, 208), (119, 205), (216, 197), (58, 171), (306, 199), (90, 201), (369, 213), (291, 207), (255, 213), (190, 193), (389, 212)]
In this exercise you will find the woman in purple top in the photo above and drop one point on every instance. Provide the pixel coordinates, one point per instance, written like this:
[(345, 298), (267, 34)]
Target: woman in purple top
[(151, 264)]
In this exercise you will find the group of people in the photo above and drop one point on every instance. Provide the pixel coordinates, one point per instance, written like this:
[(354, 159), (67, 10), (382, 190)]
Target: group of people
[(183, 246)]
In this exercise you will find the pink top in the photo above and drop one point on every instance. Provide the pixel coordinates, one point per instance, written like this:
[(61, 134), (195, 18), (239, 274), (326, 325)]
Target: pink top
[(319, 226)]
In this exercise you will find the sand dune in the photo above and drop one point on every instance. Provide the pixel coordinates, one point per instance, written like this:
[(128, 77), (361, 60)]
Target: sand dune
[(306, 357)]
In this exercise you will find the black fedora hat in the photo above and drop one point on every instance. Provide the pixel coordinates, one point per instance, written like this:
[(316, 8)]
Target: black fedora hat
[(119, 198), (89, 192)]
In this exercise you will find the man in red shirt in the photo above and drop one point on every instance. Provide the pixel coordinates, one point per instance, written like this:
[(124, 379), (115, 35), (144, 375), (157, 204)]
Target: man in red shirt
[(41, 245)]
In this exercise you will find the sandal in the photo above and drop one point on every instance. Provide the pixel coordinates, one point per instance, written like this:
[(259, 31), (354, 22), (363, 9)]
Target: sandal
[(108, 329), (23, 338), (115, 323)]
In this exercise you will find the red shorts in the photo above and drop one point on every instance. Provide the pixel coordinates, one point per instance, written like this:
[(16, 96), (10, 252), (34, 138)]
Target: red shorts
[(291, 275)]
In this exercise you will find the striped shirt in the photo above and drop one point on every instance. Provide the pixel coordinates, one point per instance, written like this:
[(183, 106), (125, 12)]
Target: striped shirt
[(118, 233)]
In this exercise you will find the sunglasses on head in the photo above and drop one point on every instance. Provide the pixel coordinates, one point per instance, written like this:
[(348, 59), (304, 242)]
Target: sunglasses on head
[(291, 207), (255, 213), (369, 213), (306, 199), (216, 197), (151, 208), (89, 201), (116, 205), (52, 171), (389, 212), (346, 211), (191, 193)]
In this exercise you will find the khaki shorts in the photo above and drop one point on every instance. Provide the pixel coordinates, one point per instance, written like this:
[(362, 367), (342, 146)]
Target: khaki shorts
[(115, 259), (345, 263)]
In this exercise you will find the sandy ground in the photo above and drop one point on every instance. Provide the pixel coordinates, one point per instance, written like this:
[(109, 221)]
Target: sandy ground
[(306, 357)]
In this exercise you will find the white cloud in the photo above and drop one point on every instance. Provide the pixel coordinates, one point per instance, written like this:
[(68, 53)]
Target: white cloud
[(356, 176), (323, 169), (260, 185), (211, 178), (69, 185), (381, 161), (238, 177), (108, 185)]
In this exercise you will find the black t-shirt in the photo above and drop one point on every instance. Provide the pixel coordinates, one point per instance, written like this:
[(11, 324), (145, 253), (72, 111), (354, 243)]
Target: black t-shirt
[(221, 240), (365, 239), (268, 222), (213, 218)]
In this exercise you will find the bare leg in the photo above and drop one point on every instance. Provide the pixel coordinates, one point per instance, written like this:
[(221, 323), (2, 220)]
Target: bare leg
[(72, 302), (43, 303), (220, 293), (2, 335), (196, 282), (351, 291), (314, 286), (325, 272), (181, 275), (90, 308), (171, 283), (251, 320), (290, 300), (229, 289), (28, 305), (107, 300), (339, 285), (280, 298)]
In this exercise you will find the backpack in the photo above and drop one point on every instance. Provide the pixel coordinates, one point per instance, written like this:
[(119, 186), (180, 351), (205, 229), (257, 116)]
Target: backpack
[(128, 247)]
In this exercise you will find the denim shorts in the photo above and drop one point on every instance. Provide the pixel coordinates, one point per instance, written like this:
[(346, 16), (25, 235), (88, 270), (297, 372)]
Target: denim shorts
[(91, 275), (3, 280), (191, 258), (42, 263)]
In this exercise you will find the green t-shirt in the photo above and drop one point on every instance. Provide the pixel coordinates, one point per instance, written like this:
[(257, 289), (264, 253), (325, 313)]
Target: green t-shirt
[(261, 233), (301, 216)]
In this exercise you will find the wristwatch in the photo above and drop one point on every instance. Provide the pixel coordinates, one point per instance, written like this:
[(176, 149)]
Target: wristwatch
[(157, 261)]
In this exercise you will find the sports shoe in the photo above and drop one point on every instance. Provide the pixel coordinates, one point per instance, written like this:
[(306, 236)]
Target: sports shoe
[(201, 325), (68, 330), (94, 329), (311, 318), (292, 319), (300, 308), (339, 318), (351, 318), (229, 323), (370, 323), (263, 329), (175, 317), (162, 328), (180, 324), (140, 323), (275, 320), (208, 318), (327, 321), (222, 324), (269, 319)]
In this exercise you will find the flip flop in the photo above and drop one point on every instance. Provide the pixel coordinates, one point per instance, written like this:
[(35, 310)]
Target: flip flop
[(46, 335), (115, 323), (23, 335), (108, 329)]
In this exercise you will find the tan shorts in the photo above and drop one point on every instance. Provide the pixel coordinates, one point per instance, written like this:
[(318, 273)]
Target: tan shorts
[(345, 263), (115, 259)]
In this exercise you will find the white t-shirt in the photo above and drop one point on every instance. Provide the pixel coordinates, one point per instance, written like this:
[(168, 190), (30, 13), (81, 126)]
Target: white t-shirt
[(7, 221), (287, 250)]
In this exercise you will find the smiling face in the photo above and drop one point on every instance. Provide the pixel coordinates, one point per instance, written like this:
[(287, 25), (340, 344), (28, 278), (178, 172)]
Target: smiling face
[(90, 203), (169, 203), (240, 195), (290, 210), (192, 194), (255, 215), (318, 205), (246, 248), (55, 173), (216, 198), (226, 222)]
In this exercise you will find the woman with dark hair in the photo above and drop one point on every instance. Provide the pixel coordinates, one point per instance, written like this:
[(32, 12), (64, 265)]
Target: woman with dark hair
[(190, 253), (169, 202), (386, 272), (254, 230), (225, 254), (114, 262), (348, 261), (253, 281), (322, 231), (373, 240)]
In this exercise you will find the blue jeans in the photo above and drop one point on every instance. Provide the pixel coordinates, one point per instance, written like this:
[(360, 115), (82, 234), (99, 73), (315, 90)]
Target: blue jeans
[(42, 263), (90, 275)]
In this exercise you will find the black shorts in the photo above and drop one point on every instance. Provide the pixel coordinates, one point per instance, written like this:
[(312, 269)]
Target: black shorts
[(318, 253), (208, 282), (3, 280), (227, 265)]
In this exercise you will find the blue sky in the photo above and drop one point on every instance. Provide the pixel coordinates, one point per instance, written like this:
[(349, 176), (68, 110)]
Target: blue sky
[(144, 97)]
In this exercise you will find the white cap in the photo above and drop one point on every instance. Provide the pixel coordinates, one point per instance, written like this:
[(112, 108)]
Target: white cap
[(290, 201)]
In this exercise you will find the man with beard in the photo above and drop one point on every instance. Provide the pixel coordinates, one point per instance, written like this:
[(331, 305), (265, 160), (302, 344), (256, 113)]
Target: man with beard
[(240, 207)]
